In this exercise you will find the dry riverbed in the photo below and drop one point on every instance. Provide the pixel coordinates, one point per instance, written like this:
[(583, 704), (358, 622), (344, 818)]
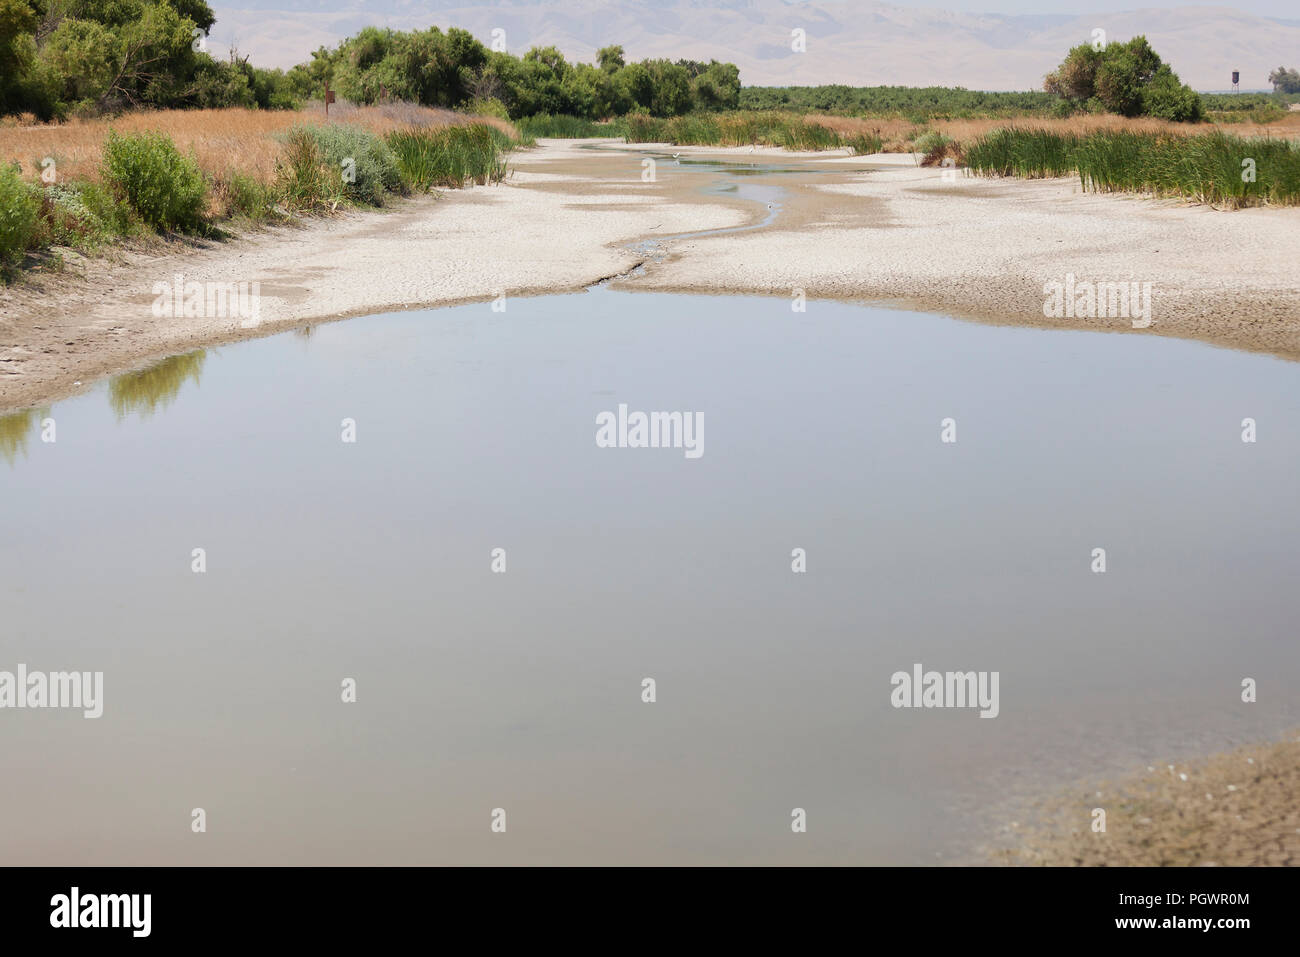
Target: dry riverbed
[(868, 228)]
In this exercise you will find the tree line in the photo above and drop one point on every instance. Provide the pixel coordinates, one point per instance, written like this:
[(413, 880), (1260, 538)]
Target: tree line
[(89, 57), (62, 58), (453, 69)]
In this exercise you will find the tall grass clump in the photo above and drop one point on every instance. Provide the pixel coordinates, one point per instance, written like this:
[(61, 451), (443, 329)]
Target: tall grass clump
[(729, 129), (303, 180), (146, 170), (1213, 168), (642, 128), (450, 156), (1026, 153), (563, 127), (935, 147), (864, 144), (20, 206), (802, 135), (751, 128)]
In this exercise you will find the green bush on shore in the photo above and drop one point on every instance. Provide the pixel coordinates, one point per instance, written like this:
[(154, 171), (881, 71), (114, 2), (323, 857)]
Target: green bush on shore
[(149, 185), (20, 207), (367, 167), (79, 215), (148, 172)]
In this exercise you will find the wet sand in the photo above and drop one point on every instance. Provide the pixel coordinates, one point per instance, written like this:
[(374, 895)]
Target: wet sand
[(1236, 808), (861, 228)]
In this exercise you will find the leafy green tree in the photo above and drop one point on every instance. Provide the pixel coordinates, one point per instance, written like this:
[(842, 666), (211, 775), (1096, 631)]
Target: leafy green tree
[(1168, 99), (717, 87), (1284, 80), (610, 59), (1125, 78), (636, 85), (84, 55), (25, 86), (672, 88)]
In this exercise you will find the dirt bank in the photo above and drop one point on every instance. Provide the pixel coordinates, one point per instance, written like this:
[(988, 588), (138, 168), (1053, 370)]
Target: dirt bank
[(844, 227)]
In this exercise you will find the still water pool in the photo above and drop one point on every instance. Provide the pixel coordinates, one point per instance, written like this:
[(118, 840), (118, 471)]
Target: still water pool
[(522, 690)]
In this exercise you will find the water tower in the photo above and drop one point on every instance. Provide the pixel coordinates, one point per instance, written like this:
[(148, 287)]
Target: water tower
[(1236, 81)]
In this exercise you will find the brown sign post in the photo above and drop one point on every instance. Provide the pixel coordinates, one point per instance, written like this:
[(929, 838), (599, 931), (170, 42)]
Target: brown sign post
[(329, 98)]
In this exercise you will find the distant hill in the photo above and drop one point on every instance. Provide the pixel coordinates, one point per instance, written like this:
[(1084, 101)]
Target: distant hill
[(860, 44)]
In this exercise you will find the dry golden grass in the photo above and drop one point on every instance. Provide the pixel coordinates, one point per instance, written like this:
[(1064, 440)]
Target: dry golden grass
[(896, 132), (223, 141)]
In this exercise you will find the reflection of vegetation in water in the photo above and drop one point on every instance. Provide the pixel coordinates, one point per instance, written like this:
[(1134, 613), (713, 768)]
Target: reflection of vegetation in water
[(154, 388), (15, 429)]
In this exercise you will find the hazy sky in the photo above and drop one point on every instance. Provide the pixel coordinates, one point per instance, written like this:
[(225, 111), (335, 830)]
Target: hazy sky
[(1287, 9)]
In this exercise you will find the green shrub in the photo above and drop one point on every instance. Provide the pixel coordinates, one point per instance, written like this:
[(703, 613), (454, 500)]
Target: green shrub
[(246, 196), (1267, 114), (164, 187), (20, 207), (116, 217), (366, 165), (67, 221), (1167, 99), (486, 106)]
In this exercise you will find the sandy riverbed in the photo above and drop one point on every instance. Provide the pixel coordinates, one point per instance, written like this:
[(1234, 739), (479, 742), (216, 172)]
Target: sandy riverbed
[(851, 227)]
